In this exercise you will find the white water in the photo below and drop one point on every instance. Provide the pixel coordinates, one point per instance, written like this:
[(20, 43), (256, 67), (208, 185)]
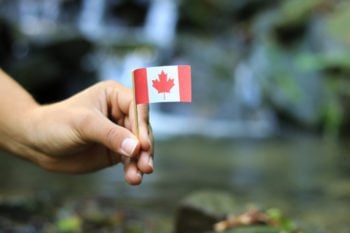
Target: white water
[(160, 25), (159, 29), (91, 18), (38, 17)]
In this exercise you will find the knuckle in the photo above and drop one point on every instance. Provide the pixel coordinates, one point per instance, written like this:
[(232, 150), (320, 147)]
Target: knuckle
[(111, 134), (84, 122), (110, 84), (114, 137)]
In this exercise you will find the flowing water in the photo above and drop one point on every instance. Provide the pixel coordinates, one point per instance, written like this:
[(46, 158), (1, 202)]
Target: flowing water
[(307, 178)]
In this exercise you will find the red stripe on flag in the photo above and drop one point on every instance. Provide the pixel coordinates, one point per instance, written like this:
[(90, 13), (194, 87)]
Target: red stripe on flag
[(140, 85), (185, 83)]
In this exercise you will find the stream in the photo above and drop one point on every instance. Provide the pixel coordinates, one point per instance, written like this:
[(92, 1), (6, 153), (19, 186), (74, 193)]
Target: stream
[(307, 178)]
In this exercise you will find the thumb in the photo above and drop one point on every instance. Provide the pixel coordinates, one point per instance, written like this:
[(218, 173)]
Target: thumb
[(116, 138)]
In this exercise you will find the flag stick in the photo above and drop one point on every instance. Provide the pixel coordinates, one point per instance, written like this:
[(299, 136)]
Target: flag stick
[(136, 114)]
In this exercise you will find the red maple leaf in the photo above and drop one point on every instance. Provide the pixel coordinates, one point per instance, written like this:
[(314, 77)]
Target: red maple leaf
[(163, 84)]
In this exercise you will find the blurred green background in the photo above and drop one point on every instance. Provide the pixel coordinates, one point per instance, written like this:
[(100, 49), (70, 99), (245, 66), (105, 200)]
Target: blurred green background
[(269, 121)]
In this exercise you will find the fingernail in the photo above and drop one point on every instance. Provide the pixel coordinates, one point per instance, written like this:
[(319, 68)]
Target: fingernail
[(150, 162), (128, 146), (139, 174)]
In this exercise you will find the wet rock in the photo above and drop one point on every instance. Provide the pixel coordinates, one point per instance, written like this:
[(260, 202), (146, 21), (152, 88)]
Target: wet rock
[(200, 211), (6, 42), (23, 214), (214, 16), (258, 229), (69, 51), (70, 10), (294, 19), (54, 70), (15, 210), (212, 211), (337, 23), (128, 13)]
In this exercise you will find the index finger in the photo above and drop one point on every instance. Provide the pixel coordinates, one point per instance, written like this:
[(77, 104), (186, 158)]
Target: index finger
[(145, 134)]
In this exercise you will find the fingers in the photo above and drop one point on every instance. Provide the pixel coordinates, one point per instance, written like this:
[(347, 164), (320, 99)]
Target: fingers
[(145, 158), (145, 162), (97, 158), (122, 111), (118, 139), (143, 121), (121, 107), (133, 169), (132, 174)]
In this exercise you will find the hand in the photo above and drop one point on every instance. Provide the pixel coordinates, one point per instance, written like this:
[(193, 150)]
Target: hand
[(92, 130)]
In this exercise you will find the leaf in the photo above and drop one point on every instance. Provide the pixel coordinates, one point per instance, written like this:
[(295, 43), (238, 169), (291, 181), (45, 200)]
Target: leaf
[(163, 84)]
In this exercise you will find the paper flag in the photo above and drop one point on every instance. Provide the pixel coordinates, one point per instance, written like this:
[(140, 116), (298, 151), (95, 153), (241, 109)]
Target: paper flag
[(163, 84)]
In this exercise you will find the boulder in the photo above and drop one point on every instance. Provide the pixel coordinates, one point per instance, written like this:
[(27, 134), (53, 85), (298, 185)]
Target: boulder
[(213, 211), (201, 210)]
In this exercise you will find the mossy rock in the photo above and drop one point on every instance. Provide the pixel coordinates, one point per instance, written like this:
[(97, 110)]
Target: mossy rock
[(253, 229), (294, 16), (298, 11), (338, 23), (201, 210), (212, 17)]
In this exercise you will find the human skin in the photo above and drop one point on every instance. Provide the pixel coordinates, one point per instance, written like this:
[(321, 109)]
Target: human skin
[(91, 130)]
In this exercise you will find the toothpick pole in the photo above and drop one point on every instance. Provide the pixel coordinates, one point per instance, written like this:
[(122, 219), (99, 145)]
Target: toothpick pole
[(136, 114)]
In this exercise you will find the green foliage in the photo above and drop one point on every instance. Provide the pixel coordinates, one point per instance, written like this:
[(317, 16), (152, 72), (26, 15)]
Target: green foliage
[(69, 224), (338, 22), (284, 223), (254, 229), (323, 61), (334, 111), (295, 11)]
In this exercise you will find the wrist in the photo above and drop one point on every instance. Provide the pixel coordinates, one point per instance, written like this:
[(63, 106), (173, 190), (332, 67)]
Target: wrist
[(36, 128), (22, 132)]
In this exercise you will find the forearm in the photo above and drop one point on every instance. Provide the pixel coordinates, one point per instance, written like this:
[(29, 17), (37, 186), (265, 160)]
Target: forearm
[(15, 104)]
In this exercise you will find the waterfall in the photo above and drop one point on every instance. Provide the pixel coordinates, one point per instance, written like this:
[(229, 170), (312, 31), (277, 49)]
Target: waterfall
[(246, 114), (160, 25), (90, 21), (246, 91), (38, 17), (159, 28)]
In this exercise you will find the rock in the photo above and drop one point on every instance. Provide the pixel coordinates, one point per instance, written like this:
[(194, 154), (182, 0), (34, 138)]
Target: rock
[(128, 13), (25, 214), (337, 23), (201, 210), (6, 42), (217, 16), (52, 71), (258, 229), (213, 211), (293, 19), (68, 51)]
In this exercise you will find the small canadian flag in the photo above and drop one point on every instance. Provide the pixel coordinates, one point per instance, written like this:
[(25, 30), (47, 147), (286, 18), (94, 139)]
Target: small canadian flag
[(163, 84)]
